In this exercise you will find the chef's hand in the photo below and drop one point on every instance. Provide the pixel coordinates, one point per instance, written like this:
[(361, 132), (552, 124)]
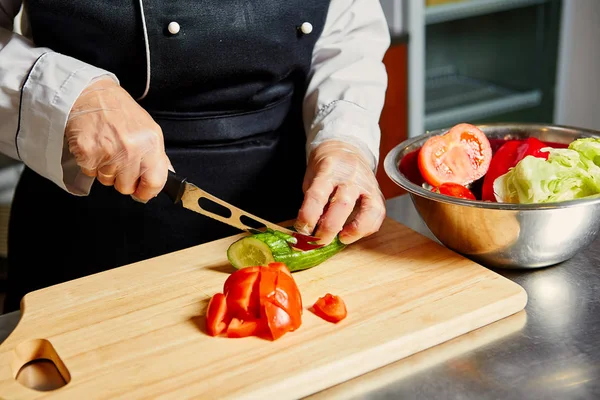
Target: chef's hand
[(337, 180), (115, 140)]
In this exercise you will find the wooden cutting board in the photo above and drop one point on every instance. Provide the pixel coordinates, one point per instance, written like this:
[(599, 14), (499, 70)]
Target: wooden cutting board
[(455, 354), (138, 331)]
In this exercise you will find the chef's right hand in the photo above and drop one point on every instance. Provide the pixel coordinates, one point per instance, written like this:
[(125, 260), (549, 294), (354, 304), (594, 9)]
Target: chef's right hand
[(116, 141)]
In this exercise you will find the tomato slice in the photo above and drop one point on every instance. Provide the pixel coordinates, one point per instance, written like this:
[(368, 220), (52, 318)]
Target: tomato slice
[(331, 308), (239, 274), (287, 296), (243, 299), (277, 319), (461, 155), (279, 266), (455, 190), (506, 157), (238, 328), (216, 315), (268, 280), (256, 301), (280, 288), (287, 283)]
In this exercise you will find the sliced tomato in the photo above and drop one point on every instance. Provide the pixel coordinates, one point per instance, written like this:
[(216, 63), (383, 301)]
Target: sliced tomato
[(237, 275), (454, 190), (409, 167), (331, 308), (287, 283), (243, 299), (288, 296), (462, 155), (268, 280), (279, 266), (278, 321), (216, 315), (257, 301), (239, 328), (506, 157), (280, 288)]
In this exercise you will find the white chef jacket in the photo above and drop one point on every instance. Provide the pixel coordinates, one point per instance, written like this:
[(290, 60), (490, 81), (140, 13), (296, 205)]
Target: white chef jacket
[(38, 87)]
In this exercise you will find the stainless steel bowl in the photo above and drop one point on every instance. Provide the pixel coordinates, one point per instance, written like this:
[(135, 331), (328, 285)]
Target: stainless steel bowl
[(500, 234)]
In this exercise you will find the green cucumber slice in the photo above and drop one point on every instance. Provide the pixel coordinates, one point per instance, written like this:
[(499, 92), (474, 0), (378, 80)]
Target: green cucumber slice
[(249, 251), (273, 246)]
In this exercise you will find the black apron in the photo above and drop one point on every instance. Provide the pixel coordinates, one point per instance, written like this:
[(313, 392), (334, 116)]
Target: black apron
[(226, 90)]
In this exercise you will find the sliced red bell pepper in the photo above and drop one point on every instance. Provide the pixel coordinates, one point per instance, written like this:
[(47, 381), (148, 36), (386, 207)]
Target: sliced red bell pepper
[(506, 157)]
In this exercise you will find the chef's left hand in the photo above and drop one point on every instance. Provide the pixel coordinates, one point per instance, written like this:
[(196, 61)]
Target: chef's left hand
[(339, 179)]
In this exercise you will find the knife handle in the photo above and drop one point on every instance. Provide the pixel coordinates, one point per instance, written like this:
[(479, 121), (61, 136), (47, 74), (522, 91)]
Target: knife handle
[(174, 187)]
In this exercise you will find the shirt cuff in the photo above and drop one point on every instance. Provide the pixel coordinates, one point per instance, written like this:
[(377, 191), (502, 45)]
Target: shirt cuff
[(48, 94), (347, 122)]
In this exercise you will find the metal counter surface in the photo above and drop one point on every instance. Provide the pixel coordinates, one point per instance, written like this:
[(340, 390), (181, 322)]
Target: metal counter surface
[(551, 350)]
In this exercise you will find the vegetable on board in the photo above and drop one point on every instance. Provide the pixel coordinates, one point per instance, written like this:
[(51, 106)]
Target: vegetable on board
[(330, 308), (259, 301), (274, 246)]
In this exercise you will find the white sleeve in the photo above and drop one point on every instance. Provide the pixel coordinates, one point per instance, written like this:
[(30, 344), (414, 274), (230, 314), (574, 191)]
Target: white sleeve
[(37, 90), (348, 79)]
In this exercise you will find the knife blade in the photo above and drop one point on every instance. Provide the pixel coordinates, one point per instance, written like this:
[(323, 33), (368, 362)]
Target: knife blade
[(179, 190)]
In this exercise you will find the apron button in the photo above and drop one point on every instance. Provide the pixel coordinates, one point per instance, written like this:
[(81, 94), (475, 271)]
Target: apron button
[(173, 28), (306, 28)]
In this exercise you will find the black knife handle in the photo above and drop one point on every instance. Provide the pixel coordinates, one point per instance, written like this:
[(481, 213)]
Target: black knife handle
[(174, 187)]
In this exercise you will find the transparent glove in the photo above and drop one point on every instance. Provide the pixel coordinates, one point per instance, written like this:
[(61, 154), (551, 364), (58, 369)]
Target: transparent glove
[(116, 141), (341, 195)]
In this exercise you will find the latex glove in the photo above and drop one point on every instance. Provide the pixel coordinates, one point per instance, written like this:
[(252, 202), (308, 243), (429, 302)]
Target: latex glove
[(341, 195), (115, 140)]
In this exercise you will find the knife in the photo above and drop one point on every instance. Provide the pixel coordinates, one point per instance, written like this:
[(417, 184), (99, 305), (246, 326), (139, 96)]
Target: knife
[(179, 190)]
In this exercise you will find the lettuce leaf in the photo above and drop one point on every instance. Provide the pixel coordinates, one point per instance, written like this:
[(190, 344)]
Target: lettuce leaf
[(568, 174)]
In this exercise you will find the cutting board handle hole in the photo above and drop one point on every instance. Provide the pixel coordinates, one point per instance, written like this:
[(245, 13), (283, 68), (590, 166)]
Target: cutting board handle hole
[(37, 366)]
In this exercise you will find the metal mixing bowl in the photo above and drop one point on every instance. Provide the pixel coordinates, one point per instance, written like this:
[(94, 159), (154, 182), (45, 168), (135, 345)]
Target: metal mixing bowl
[(504, 235)]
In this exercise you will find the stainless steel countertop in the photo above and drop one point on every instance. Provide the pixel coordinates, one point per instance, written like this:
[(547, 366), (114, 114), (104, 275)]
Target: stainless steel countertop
[(551, 350)]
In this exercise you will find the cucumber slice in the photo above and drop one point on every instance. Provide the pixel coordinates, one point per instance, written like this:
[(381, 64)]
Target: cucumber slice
[(273, 246), (249, 251)]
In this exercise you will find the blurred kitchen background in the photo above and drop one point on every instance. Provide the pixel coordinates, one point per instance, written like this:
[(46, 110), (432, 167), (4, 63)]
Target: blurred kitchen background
[(471, 61)]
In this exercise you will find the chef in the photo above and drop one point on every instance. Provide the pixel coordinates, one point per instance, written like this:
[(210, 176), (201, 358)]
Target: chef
[(271, 105)]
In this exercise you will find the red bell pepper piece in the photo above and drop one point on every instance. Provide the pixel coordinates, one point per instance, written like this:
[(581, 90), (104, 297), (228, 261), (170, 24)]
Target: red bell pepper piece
[(507, 156)]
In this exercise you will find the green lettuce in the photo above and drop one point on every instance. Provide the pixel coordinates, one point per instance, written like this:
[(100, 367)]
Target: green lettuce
[(568, 174)]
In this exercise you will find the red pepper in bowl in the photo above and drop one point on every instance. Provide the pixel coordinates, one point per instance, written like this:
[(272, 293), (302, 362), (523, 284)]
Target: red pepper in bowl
[(507, 156)]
